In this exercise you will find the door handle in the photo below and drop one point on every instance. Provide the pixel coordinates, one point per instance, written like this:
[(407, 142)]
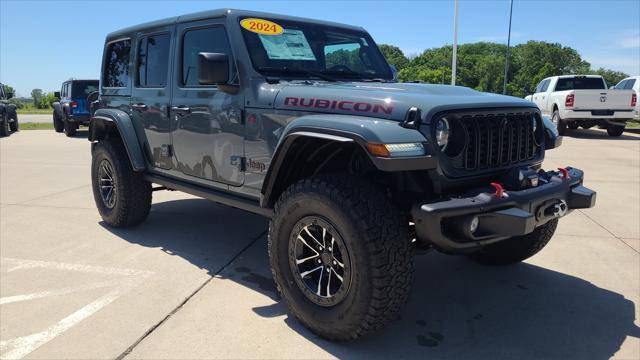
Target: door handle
[(182, 110), (141, 107)]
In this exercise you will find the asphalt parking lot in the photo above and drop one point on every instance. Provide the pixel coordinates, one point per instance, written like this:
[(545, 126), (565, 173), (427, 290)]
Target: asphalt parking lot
[(193, 281)]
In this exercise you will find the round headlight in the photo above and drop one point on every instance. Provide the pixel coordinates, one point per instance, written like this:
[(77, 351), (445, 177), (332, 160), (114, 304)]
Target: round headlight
[(442, 133)]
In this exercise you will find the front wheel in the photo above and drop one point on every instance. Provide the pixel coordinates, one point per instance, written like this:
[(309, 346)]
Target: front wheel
[(517, 248), (123, 196), (615, 130), (340, 255), (58, 125)]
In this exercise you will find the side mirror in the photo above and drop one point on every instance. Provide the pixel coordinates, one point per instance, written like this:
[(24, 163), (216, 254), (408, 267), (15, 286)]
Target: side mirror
[(56, 94), (394, 72), (213, 68), (9, 95)]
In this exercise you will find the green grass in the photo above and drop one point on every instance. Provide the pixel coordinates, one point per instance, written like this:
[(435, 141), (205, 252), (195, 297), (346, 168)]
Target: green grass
[(34, 111), (36, 126), (633, 124)]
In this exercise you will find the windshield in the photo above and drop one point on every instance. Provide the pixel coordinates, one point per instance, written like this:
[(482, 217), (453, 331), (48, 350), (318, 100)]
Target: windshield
[(299, 49), (580, 83), (81, 89)]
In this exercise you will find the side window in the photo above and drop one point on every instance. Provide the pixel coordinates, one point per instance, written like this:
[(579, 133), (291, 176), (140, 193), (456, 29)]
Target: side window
[(621, 84), (629, 84), (545, 85), (211, 40), (153, 61), (539, 87), (116, 67)]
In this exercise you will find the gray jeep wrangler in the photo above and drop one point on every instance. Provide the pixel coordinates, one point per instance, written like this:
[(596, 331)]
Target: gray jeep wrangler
[(8, 113), (302, 121)]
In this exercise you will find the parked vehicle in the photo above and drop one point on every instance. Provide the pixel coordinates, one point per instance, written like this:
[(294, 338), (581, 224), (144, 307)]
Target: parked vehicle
[(302, 121), (8, 113), (72, 110), (583, 100), (631, 83)]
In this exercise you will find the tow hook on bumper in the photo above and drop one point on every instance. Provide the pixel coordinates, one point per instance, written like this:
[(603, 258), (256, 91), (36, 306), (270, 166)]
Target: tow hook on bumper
[(464, 224)]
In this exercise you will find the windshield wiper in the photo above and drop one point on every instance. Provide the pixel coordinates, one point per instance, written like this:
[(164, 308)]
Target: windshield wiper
[(287, 70), (363, 76)]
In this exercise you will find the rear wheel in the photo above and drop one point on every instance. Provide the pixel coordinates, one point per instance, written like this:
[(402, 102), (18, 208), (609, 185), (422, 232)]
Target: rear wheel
[(517, 248), (560, 124), (123, 196), (58, 125), (340, 255), (14, 126), (615, 130), (70, 128)]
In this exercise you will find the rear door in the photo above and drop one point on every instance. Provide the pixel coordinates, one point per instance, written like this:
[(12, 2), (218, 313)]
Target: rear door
[(208, 135), (80, 89), (151, 94)]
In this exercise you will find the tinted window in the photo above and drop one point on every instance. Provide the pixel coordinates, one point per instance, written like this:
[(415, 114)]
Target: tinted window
[(117, 64), (579, 83), (545, 85), (630, 83), (82, 89), (621, 84), (212, 40), (153, 60)]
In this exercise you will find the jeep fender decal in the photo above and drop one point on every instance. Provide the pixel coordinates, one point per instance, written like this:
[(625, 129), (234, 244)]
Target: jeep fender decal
[(351, 106)]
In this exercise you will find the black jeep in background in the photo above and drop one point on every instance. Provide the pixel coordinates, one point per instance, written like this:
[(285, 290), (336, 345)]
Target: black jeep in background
[(8, 113), (303, 122), (72, 108)]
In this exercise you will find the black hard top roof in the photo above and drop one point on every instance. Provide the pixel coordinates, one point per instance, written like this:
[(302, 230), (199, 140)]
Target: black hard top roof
[(216, 14)]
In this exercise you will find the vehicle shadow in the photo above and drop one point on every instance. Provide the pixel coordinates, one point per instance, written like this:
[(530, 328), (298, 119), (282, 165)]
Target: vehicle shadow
[(457, 309), (596, 134)]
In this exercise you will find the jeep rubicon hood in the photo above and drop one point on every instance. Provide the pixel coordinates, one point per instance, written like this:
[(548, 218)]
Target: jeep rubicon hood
[(387, 100)]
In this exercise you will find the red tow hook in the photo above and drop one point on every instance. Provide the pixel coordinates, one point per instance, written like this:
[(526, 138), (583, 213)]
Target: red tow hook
[(499, 190), (564, 172)]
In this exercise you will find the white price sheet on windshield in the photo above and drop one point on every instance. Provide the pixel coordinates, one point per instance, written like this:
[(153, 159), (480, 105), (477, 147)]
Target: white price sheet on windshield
[(290, 45)]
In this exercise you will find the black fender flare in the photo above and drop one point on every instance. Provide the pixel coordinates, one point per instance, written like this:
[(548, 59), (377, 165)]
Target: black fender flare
[(57, 109), (552, 138), (106, 119), (346, 129)]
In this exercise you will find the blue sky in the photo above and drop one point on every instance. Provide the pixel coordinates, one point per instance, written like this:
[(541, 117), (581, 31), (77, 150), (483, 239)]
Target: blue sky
[(43, 43)]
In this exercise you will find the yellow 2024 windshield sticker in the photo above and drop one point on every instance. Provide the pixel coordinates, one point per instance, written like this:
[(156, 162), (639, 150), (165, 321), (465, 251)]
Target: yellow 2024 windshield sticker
[(260, 26)]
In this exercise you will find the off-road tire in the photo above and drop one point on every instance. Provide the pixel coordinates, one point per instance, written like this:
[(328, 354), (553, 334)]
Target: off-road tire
[(133, 200), (58, 125), (4, 125), (70, 128), (615, 130), (560, 124), (517, 248), (573, 125), (376, 237), (14, 126)]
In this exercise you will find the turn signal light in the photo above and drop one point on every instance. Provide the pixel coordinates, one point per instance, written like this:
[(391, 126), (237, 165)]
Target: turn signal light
[(378, 150), (634, 100), (74, 104), (568, 102)]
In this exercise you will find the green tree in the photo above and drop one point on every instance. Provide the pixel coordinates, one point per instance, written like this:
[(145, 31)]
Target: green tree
[(9, 89), (36, 95), (612, 77), (394, 56)]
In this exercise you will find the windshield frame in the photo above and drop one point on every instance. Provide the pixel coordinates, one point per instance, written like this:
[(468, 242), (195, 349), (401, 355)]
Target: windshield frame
[(378, 60)]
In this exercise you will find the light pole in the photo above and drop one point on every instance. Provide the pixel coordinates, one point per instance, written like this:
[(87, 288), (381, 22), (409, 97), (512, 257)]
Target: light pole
[(506, 59), (454, 60)]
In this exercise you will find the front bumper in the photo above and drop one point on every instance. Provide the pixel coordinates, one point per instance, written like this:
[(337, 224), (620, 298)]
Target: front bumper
[(446, 224)]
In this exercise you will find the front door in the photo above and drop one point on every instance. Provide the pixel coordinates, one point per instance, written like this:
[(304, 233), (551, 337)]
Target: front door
[(208, 135), (151, 95)]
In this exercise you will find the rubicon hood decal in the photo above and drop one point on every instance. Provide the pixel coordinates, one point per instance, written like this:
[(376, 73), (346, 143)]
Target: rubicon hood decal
[(343, 105)]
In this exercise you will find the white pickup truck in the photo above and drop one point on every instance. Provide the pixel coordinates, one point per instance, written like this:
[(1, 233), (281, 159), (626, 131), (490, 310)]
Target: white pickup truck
[(584, 100)]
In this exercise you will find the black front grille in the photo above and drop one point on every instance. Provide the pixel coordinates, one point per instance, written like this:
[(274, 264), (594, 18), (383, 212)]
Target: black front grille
[(492, 140)]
